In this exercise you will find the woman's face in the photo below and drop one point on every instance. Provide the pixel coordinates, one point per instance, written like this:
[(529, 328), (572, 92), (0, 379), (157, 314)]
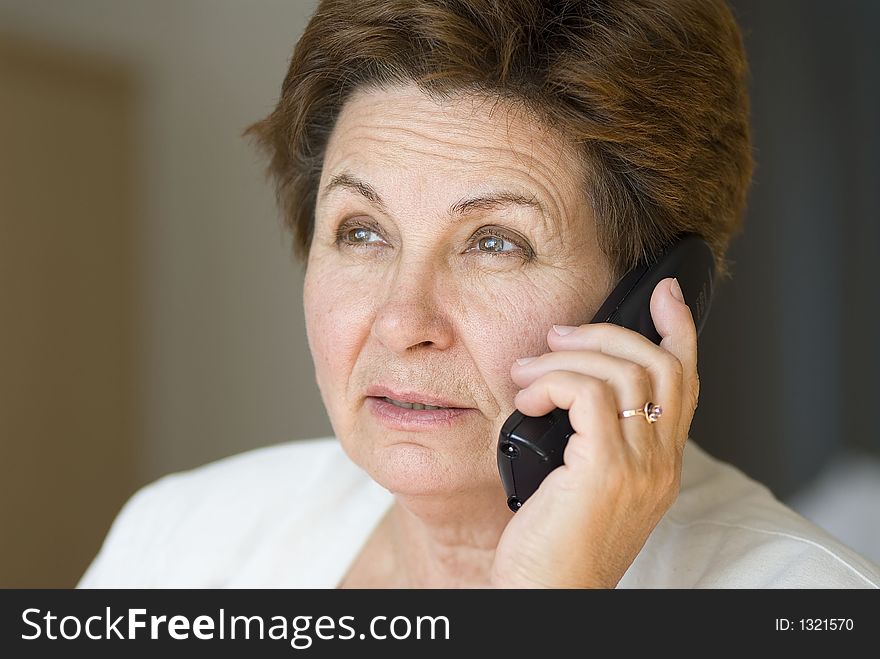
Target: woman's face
[(448, 239)]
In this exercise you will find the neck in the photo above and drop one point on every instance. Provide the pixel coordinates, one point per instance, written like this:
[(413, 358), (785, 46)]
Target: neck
[(447, 541)]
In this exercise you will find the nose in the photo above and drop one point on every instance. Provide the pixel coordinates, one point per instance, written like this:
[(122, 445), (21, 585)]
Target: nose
[(411, 311)]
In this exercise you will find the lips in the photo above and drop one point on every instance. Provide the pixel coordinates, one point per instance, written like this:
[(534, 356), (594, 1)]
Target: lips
[(402, 419), (410, 396)]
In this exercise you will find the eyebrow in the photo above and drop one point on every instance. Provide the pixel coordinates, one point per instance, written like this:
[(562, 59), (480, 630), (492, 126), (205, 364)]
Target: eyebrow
[(490, 201)]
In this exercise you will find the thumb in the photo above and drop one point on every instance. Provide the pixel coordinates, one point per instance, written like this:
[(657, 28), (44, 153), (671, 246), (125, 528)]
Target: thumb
[(674, 322)]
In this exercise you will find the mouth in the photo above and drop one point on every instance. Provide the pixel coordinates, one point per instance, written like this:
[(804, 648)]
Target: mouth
[(413, 406), (415, 411), (413, 400)]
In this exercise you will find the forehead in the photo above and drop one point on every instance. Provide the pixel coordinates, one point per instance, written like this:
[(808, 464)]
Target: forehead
[(469, 139)]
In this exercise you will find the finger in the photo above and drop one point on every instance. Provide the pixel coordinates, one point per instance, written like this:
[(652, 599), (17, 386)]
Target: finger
[(675, 323), (592, 412), (630, 376), (630, 382), (664, 368), (610, 339)]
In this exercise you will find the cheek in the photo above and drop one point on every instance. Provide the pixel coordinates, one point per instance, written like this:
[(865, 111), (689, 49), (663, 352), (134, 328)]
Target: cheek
[(506, 322), (335, 316)]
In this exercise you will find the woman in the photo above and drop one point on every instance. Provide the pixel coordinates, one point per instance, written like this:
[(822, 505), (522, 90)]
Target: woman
[(467, 180)]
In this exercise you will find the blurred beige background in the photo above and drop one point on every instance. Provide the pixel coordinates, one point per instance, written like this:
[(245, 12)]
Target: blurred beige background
[(151, 310)]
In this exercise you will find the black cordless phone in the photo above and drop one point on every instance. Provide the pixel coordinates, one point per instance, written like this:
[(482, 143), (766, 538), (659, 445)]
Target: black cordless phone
[(530, 447)]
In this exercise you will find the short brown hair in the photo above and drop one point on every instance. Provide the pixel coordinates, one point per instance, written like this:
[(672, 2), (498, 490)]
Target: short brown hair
[(653, 92)]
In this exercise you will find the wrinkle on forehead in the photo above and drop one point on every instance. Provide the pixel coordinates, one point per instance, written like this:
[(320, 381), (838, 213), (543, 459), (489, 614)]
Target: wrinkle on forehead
[(403, 110), (463, 135)]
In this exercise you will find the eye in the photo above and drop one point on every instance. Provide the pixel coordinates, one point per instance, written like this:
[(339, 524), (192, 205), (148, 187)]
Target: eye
[(495, 243), (356, 235)]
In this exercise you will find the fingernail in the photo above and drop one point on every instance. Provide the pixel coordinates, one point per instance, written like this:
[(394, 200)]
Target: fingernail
[(562, 330), (525, 360), (676, 290)]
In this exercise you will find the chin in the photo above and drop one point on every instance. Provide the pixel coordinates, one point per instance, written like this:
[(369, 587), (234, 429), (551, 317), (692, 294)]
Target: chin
[(416, 470)]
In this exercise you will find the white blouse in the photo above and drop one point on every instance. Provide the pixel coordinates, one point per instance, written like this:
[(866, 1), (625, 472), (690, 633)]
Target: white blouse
[(295, 515)]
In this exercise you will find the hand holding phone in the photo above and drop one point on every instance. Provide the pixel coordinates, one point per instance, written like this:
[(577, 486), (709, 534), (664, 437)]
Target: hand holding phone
[(587, 517), (529, 448)]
